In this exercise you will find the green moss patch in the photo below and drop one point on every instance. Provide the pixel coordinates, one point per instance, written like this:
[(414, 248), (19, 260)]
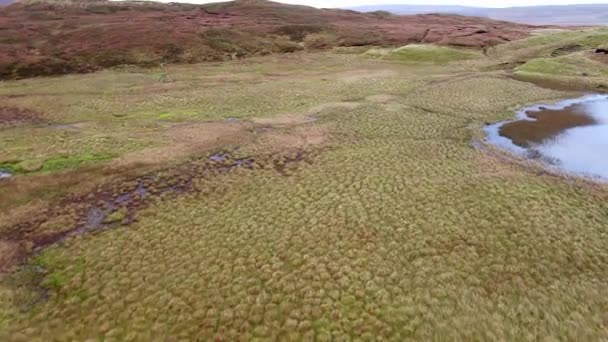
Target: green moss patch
[(177, 115), (10, 166), (52, 164), (57, 271), (430, 54), (551, 44), (67, 162), (571, 65), (547, 66), (117, 216)]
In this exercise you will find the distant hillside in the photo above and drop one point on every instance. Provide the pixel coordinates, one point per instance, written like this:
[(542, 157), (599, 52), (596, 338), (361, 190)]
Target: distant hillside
[(421, 9), (59, 36), (535, 15), (6, 2)]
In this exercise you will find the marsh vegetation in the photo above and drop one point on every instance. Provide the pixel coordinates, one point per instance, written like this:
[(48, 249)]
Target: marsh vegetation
[(323, 196)]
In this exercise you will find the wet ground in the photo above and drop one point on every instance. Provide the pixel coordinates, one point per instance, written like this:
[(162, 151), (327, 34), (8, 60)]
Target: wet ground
[(117, 204), (571, 135), (5, 174)]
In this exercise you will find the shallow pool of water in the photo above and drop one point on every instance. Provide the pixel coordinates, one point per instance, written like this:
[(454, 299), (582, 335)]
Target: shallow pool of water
[(571, 135), (5, 174)]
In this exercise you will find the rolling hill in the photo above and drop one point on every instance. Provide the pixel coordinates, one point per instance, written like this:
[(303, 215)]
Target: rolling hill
[(537, 15), (59, 37)]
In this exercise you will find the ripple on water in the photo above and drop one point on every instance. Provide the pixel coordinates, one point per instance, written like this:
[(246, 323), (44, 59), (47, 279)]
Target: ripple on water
[(571, 135)]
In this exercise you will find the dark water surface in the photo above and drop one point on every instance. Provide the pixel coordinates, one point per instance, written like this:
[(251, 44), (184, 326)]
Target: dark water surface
[(571, 135)]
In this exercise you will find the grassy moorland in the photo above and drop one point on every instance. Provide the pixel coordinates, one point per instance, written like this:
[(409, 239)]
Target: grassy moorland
[(564, 58), (332, 196)]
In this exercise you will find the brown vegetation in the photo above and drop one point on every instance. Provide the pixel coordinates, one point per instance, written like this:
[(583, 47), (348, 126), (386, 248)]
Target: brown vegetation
[(10, 116), (49, 38)]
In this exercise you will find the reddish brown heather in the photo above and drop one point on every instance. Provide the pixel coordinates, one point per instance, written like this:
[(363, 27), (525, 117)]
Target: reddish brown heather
[(11, 116), (46, 38)]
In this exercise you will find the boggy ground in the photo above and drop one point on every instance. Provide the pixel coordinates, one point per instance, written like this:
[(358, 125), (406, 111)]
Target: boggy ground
[(329, 196)]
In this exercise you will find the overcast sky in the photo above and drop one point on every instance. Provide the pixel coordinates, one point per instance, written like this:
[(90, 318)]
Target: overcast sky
[(479, 3)]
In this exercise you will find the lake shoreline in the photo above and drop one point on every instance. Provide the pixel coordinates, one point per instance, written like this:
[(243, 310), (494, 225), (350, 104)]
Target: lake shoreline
[(568, 135)]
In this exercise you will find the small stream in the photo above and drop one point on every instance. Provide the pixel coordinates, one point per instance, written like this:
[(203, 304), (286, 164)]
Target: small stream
[(570, 136)]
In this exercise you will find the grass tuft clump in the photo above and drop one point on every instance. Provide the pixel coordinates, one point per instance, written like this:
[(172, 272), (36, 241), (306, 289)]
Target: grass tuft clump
[(394, 228), (547, 66), (420, 53)]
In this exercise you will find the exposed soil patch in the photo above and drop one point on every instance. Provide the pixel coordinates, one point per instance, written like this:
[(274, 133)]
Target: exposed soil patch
[(189, 138), (546, 124), (10, 252), (10, 116), (184, 139), (297, 137)]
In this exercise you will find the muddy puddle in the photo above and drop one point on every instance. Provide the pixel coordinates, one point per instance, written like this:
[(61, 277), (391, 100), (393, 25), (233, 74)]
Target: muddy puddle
[(569, 136), (5, 174)]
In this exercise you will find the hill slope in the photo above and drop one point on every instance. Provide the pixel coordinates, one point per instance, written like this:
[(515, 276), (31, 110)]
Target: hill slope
[(538, 15), (46, 38)]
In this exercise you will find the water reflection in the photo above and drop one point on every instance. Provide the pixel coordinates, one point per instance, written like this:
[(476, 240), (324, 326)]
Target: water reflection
[(5, 174), (571, 135)]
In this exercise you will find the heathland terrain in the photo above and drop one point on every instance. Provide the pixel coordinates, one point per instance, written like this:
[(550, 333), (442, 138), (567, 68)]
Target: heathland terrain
[(59, 37), (334, 194)]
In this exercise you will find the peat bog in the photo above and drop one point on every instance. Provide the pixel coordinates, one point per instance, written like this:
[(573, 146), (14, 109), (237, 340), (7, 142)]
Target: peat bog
[(310, 196)]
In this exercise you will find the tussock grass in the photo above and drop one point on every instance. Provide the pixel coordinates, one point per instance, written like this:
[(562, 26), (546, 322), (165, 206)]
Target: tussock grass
[(548, 66), (423, 54), (547, 44), (564, 59), (577, 65), (120, 112), (419, 53), (398, 229)]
